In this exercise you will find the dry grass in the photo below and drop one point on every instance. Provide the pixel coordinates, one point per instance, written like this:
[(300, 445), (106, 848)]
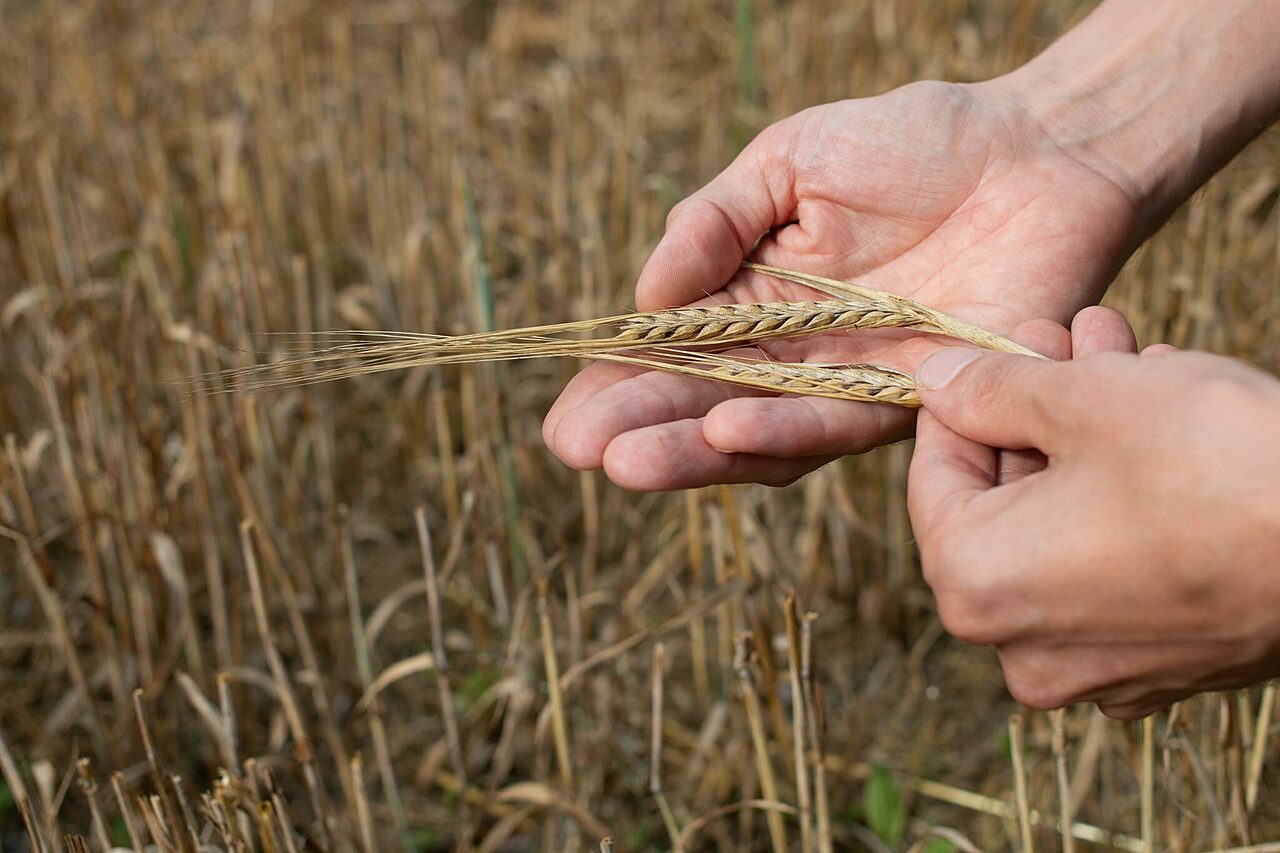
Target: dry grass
[(179, 180)]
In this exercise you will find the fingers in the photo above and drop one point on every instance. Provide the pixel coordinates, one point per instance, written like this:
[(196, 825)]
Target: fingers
[(947, 468), (1097, 329), (1052, 340), (606, 400), (1046, 337), (1139, 710), (709, 233), (1000, 400), (1058, 678), (675, 455), (588, 382), (1126, 680), (1094, 330), (1018, 403), (790, 427), (1016, 464), (995, 398)]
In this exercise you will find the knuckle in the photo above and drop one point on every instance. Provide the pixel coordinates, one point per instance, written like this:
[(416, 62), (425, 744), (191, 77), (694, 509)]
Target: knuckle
[(1032, 684), (987, 378), (939, 95), (1078, 391), (932, 565), (548, 432), (680, 209), (968, 618), (1035, 694), (1002, 381), (793, 470), (1137, 703), (774, 144), (1225, 390), (704, 223), (1125, 712), (937, 563), (968, 591)]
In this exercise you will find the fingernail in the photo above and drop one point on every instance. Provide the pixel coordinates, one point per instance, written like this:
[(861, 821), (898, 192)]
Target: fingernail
[(941, 367)]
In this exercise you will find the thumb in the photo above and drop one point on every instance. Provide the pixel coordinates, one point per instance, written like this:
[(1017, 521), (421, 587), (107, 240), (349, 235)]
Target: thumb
[(1011, 402), (710, 232)]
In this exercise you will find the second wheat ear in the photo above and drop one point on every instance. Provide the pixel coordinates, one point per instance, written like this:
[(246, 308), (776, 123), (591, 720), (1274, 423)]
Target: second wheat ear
[(685, 341)]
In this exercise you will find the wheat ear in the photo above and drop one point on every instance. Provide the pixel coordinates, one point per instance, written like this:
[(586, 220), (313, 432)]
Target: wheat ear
[(704, 328), (924, 318), (869, 383)]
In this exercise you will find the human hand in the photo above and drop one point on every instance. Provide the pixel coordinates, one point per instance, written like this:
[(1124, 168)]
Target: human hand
[(945, 193), (1141, 565)]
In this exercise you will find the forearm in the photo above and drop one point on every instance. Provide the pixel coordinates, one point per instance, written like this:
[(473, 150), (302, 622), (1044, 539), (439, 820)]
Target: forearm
[(1158, 95)]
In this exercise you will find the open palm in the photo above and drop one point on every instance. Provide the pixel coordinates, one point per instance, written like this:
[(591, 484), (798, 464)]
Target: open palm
[(945, 193)]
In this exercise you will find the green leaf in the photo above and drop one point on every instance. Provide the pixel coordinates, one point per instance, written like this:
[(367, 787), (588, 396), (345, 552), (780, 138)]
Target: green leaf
[(119, 831), (639, 838), (1005, 746), (182, 237), (484, 282), (883, 807), (6, 800), (744, 20), (938, 845), (474, 685), (425, 840)]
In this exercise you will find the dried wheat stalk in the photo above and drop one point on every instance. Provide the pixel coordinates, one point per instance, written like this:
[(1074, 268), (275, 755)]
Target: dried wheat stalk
[(648, 339)]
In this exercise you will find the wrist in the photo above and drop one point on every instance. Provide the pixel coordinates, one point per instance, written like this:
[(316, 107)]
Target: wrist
[(1156, 97)]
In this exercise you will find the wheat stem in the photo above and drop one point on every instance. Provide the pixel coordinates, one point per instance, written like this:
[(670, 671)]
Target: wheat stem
[(1020, 783)]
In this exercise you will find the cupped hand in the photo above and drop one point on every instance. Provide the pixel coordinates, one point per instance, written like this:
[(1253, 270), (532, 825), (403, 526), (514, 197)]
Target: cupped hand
[(945, 193), (1139, 565)]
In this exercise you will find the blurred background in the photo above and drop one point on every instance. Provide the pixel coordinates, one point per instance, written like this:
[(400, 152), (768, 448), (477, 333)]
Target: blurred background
[(378, 614)]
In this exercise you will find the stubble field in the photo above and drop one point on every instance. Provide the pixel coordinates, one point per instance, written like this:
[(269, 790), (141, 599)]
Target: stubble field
[(378, 614)]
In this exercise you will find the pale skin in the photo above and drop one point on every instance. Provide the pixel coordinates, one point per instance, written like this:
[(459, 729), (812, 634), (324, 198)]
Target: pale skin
[(1107, 523), (1124, 547)]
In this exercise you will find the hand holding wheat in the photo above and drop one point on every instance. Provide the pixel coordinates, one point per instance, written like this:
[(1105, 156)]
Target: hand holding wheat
[(947, 194)]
